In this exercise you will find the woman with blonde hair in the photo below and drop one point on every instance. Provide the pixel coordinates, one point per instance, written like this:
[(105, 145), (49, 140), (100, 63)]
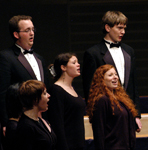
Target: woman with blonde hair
[(111, 112)]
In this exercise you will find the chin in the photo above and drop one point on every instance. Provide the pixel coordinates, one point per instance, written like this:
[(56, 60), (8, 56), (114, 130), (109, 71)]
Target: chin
[(31, 44)]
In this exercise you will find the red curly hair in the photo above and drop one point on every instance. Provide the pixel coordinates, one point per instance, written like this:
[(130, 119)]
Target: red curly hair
[(99, 88)]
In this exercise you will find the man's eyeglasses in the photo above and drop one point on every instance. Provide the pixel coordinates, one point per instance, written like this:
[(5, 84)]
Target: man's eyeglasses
[(28, 30)]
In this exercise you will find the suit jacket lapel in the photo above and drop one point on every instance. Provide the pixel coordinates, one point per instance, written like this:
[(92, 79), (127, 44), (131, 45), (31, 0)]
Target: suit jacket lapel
[(108, 58), (25, 63), (40, 68), (127, 60)]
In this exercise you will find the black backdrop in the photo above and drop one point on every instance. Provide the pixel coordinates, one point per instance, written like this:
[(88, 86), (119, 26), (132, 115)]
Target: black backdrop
[(63, 27)]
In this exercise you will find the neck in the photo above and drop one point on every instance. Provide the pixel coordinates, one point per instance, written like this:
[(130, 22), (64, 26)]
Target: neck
[(33, 114), (21, 46), (65, 80), (107, 38)]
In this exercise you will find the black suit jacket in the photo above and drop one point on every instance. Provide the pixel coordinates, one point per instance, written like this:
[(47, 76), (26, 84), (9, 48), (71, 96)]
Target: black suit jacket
[(99, 55), (15, 68)]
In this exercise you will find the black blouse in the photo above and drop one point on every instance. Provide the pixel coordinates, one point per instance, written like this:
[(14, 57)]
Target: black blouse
[(113, 132), (34, 135), (66, 114)]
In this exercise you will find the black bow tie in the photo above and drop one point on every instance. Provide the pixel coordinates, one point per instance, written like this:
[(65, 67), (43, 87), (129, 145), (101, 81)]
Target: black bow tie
[(113, 44), (27, 51)]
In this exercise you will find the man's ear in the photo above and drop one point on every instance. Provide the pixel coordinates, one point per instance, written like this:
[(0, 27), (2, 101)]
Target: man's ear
[(107, 28), (16, 35), (63, 68)]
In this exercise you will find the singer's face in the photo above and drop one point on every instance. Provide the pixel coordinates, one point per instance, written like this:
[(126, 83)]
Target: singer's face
[(116, 33), (25, 34)]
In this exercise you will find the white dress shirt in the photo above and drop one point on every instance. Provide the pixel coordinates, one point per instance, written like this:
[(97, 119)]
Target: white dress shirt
[(118, 59), (33, 63)]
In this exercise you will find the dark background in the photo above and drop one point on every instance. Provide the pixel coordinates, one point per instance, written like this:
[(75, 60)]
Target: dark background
[(74, 26)]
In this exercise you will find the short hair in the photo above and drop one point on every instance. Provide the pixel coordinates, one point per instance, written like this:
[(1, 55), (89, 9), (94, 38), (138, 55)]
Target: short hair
[(112, 18), (61, 59), (30, 92), (13, 105), (13, 24)]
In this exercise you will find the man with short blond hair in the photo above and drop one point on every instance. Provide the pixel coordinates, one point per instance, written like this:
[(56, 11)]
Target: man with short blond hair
[(112, 51)]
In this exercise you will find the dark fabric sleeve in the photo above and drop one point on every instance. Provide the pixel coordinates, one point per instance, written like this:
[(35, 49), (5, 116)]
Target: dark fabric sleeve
[(89, 67), (99, 122), (25, 136), (136, 94), (56, 117), (132, 89), (5, 77)]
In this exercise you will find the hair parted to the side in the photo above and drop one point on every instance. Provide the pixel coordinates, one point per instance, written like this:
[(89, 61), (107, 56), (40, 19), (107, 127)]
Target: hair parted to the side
[(61, 59), (13, 24), (30, 92), (99, 88), (112, 18)]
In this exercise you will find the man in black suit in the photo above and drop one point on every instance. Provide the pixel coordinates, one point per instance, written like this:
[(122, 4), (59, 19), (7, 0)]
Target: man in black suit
[(111, 51), (20, 63)]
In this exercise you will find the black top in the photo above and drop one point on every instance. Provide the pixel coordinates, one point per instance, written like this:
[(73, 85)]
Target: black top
[(113, 132), (66, 114), (11, 135), (99, 55), (34, 135)]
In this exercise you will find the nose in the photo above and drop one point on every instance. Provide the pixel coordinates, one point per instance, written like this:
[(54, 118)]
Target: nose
[(123, 31), (116, 76), (48, 95), (31, 31)]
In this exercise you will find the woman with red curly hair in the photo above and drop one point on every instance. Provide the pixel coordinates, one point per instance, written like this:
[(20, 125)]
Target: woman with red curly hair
[(111, 112)]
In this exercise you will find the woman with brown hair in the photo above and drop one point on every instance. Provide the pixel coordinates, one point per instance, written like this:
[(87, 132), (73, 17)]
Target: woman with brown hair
[(111, 112), (33, 132), (66, 106)]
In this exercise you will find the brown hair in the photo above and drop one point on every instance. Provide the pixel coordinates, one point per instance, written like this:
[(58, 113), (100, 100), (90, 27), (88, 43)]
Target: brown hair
[(61, 59), (113, 17), (13, 24), (30, 92), (98, 89)]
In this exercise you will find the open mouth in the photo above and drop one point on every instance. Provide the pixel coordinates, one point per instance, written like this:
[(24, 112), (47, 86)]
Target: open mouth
[(31, 39), (78, 70), (115, 82)]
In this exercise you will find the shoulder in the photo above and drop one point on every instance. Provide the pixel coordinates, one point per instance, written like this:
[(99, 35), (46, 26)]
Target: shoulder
[(7, 56), (25, 120), (6, 52), (56, 91), (26, 126), (104, 100), (11, 125), (95, 48), (127, 48), (55, 87), (38, 56)]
